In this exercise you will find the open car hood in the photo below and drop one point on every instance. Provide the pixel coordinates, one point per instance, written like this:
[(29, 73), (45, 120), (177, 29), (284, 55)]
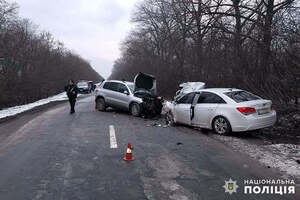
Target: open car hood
[(145, 83)]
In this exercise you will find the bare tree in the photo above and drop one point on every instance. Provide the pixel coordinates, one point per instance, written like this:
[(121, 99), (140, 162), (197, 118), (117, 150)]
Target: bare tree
[(248, 44), (33, 64)]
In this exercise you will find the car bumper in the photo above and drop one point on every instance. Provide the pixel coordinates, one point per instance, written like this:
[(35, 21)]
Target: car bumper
[(255, 122)]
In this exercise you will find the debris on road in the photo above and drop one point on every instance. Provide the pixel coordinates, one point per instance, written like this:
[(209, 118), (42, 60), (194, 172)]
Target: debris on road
[(156, 124)]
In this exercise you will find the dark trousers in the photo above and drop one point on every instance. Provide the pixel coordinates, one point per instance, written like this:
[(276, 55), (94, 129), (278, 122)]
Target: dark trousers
[(72, 104)]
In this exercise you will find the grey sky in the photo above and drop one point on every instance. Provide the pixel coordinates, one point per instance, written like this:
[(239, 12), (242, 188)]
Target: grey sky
[(92, 28)]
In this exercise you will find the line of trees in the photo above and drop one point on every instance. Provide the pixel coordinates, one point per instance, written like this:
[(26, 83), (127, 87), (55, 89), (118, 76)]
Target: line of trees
[(248, 44), (33, 65)]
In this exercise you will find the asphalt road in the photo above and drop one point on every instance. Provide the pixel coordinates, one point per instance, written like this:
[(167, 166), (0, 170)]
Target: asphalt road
[(53, 155)]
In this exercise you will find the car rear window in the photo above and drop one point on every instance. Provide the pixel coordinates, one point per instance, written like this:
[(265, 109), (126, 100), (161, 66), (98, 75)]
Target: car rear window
[(241, 96)]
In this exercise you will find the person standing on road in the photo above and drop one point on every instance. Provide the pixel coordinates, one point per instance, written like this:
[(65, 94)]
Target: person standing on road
[(72, 92)]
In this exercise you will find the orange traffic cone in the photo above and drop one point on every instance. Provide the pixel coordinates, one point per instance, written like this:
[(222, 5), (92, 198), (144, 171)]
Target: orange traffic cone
[(129, 156)]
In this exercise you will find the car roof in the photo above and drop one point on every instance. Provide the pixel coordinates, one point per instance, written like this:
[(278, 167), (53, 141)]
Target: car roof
[(117, 81), (218, 90)]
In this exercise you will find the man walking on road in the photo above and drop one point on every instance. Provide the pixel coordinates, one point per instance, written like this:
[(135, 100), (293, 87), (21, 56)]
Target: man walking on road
[(72, 92)]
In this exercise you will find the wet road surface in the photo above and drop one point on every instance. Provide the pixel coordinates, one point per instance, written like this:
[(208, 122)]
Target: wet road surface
[(55, 155)]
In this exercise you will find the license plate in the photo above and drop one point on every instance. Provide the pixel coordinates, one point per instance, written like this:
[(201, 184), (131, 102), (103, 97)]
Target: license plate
[(263, 111)]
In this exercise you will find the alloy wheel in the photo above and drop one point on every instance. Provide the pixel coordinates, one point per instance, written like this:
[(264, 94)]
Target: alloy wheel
[(221, 126)]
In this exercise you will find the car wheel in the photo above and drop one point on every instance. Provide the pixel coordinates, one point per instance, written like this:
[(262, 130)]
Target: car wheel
[(135, 109), (101, 104), (221, 126), (170, 119)]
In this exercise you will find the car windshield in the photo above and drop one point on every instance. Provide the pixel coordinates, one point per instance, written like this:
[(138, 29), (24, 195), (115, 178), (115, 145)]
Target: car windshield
[(131, 86), (82, 84), (241, 96)]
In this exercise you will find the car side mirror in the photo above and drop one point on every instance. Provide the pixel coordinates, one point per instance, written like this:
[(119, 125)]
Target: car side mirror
[(126, 92)]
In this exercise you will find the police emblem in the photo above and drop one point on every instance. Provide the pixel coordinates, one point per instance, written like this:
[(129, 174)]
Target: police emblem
[(230, 186)]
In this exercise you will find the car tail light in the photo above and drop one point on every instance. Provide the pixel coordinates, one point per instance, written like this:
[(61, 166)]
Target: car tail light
[(97, 90), (272, 107), (246, 110)]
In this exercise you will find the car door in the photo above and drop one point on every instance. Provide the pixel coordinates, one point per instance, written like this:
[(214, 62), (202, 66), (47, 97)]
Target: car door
[(115, 94), (124, 96), (107, 92), (111, 94), (182, 108), (205, 108)]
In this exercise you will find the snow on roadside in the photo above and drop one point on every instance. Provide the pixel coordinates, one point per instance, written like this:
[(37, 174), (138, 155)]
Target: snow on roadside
[(8, 112), (281, 156)]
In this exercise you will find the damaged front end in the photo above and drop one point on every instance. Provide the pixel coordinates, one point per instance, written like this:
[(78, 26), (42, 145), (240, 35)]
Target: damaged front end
[(145, 88), (187, 87)]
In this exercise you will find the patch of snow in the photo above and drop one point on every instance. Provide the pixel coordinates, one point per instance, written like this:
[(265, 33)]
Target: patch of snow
[(281, 156), (8, 112)]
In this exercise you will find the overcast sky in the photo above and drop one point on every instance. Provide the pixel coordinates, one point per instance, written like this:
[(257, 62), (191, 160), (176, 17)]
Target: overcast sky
[(92, 28)]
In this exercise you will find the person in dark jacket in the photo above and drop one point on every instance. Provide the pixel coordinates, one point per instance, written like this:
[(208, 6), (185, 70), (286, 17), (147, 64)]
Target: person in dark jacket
[(72, 92)]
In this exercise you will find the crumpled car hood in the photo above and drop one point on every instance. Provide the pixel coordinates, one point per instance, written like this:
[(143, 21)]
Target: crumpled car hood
[(189, 87)]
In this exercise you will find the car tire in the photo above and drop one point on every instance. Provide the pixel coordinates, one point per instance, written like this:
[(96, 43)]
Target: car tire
[(170, 119), (135, 109), (221, 126), (101, 104)]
